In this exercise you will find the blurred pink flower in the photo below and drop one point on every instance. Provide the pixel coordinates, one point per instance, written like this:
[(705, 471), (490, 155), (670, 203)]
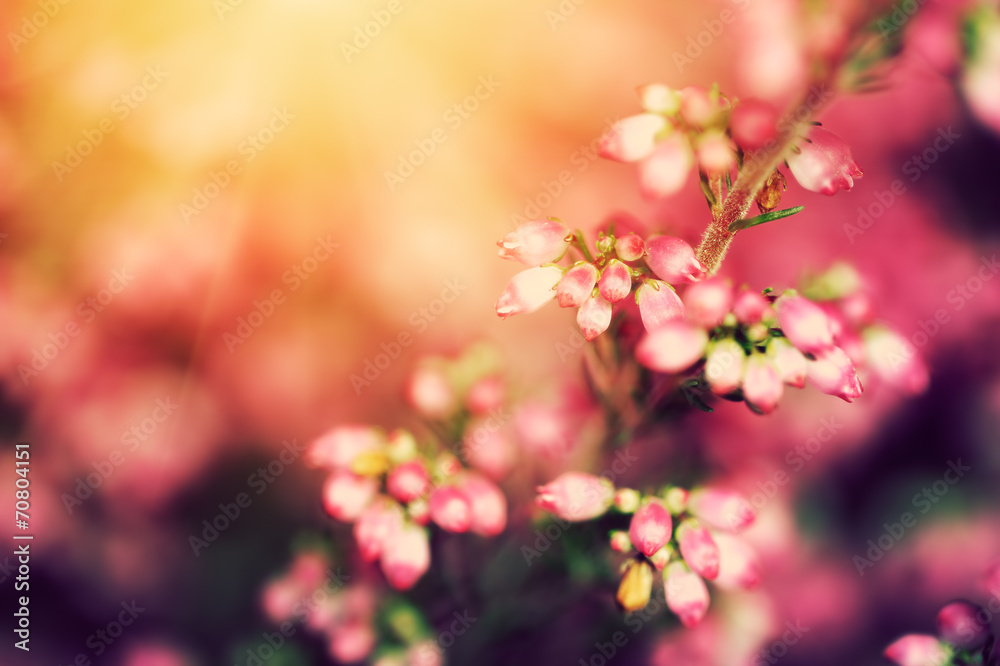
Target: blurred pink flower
[(576, 496), (535, 242)]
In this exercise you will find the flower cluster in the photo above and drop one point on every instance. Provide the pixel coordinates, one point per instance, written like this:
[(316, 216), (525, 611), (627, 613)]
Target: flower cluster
[(681, 128), (965, 638), (688, 537), (391, 487)]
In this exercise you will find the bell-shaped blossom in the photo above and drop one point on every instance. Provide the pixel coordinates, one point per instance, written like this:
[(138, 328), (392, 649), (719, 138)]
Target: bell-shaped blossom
[(721, 509), (620, 541), (337, 448), (430, 393), (750, 307), (753, 123), (715, 155), (673, 260), (576, 496), (833, 373), (486, 395), (616, 281), (673, 347), (707, 303), (739, 565), (698, 549), (408, 481), (576, 285), (824, 163), (536, 242), (633, 138), (788, 360), (379, 523), (917, 650), (528, 290), (594, 317), (630, 247), (451, 509), (686, 593), (487, 503), (658, 304), (406, 557), (804, 323), (964, 625), (636, 587), (347, 495), (666, 170), (724, 366), (894, 359), (658, 98), (762, 386), (699, 107), (650, 528)]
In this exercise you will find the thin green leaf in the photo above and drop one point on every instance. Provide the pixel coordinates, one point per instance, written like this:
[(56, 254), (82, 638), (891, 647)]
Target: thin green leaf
[(761, 219)]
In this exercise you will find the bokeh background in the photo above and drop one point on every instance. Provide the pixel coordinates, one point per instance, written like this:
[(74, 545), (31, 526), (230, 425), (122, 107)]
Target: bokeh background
[(165, 167)]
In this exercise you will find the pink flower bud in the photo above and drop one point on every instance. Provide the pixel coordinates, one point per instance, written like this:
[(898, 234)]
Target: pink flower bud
[(406, 558), (658, 98), (789, 362), (673, 347), (346, 495), (750, 307), (620, 541), (673, 260), (337, 448), (724, 366), (804, 323), (762, 387), (753, 124), (715, 155), (858, 308), (616, 281), (659, 304), (594, 317), (490, 451), (351, 641), (917, 650), (528, 290), (721, 509), (962, 624), (686, 594), (666, 170), (698, 549), (576, 285), (894, 359), (408, 481), (630, 247), (429, 392), (485, 395), (697, 106), (576, 496), (450, 509), (535, 242), (379, 523), (488, 505), (650, 528), (627, 500), (707, 303), (833, 373), (739, 566), (824, 163), (631, 138)]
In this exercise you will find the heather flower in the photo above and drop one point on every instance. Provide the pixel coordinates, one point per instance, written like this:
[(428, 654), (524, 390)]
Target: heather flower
[(724, 366), (528, 290), (762, 387), (739, 566), (594, 317), (893, 359), (636, 586), (576, 285), (753, 124), (408, 481), (658, 98), (485, 395), (347, 495), (659, 304), (487, 504), (406, 558), (824, 163), (699, 107), (960, 624), (833, 373), (715, 155), (650, 527), (804, 323), (673, 260), (337, 448), (576, 496), (788, 361), (451, 509), (665, 171), (721, 509), (917, 650), (430, 393), (535, 242), (750, 307), (674, 346), (698, 549), (686, 593), (630, 247), (632, 138), (707, 303), (616, 281), (379, 523)]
